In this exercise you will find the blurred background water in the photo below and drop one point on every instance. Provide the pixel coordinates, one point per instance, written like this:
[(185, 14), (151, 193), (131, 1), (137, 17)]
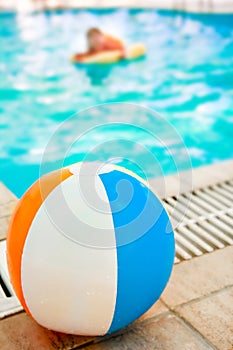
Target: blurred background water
[(186, 76)]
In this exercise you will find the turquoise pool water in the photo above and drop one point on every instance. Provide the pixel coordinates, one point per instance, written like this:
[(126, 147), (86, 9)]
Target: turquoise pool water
[(187, 76)]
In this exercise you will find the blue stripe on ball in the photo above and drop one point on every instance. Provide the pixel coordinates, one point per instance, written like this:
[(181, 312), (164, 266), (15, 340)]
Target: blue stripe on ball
[(145, 252)]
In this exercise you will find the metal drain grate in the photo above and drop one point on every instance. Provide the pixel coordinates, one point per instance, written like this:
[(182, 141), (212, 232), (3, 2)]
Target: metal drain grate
[(9, 303), (208, 221)]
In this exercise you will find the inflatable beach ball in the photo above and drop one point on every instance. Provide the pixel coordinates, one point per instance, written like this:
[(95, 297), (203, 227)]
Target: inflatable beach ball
[(90, 248)]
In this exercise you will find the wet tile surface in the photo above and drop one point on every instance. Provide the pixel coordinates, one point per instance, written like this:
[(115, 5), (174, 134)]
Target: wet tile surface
[(20, 332)]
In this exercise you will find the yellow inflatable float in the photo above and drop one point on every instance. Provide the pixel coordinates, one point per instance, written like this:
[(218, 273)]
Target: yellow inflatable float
[(132, 52)]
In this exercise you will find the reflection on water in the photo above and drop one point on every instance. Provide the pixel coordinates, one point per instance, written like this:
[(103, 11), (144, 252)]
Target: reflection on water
[(97, 73)]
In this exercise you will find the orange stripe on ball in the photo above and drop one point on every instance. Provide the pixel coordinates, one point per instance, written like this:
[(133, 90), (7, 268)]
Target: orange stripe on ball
[(21, 222)]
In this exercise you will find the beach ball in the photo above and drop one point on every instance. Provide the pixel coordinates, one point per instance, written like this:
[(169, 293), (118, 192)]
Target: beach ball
[(90, 248)]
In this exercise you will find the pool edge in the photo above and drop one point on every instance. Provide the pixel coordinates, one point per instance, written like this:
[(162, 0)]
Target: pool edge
[(193, 179)]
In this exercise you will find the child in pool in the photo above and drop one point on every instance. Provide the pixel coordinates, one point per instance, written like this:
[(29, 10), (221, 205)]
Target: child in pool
[(100, 42)]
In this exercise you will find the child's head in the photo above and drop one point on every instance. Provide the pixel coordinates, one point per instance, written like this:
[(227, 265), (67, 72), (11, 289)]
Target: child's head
[(95, 38)]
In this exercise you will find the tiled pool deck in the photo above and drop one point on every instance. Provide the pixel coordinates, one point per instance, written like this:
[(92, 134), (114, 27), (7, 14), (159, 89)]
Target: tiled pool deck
[(195, 312)]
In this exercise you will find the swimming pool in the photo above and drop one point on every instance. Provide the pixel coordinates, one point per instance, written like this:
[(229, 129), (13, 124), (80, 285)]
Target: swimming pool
[(187, 76)]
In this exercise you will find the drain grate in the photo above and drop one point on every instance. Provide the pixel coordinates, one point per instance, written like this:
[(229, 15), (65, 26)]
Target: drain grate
[(208, 221), (9, 303), (206, 226)]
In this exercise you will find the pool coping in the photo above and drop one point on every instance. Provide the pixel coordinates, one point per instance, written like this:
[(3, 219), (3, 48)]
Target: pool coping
[(194, 6), (193, 179), (166, 186)]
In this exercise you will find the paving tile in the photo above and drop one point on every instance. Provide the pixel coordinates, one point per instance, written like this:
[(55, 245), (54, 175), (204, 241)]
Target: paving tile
[(3, 227), (223, 171), (186, 181), (200, 276), (8, 202), (165, 186), (213, 317), (20, 332), (5, 215), (167, 332), (211, 174), (5, 194), (7, 208)]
